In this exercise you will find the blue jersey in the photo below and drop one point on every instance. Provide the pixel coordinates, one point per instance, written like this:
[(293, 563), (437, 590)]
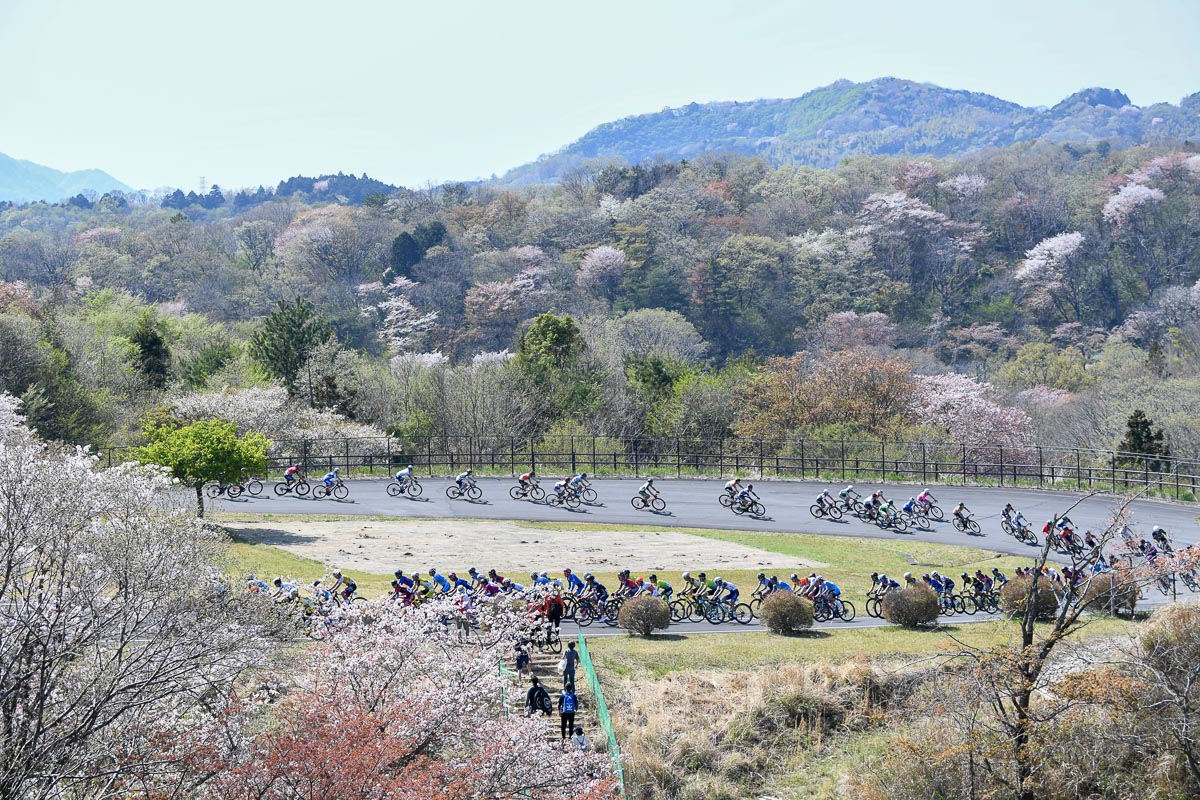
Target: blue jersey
[(937, 586), (574, 583), (440, 582), (460, 583), (833, 588)]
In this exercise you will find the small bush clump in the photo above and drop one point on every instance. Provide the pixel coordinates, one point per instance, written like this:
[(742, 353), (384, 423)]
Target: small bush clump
[(1014, 594), (911, 606), (644, 615), (1110, 591), (784, 612)]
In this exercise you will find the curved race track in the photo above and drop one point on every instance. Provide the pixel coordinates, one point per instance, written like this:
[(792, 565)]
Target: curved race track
[(693, 504)]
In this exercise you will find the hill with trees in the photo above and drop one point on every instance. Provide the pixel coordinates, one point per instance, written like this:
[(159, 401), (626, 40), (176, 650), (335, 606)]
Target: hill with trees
[(884, 116), (25, 182)]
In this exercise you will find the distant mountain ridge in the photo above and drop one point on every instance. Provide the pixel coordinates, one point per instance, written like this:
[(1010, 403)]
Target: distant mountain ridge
[(25, 181), (883, 116)]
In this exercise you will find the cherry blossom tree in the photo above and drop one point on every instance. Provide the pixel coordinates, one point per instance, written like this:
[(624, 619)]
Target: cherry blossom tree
[(412, 704), (847, 330), (1122, 205), (1052, 275), (115, 618), (601, 271), (959, 406), (402, 325)]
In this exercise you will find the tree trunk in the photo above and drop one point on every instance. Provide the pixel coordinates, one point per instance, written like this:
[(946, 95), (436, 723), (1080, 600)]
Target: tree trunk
[(199, 500)]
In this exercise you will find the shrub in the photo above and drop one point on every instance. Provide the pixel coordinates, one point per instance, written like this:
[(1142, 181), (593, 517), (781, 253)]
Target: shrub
[(784, 612), (644, 615), (1014, 594), (911, 606), (1111, 591)]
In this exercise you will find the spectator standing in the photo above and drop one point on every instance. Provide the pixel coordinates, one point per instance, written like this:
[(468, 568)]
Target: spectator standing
[(522, 650), (566, 710), (570, 659)]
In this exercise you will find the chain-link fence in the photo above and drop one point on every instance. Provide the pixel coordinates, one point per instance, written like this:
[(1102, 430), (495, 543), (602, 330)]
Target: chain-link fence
[(605, 720)]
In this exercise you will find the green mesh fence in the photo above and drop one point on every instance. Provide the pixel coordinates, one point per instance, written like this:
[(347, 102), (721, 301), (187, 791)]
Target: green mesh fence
[(614, 750)]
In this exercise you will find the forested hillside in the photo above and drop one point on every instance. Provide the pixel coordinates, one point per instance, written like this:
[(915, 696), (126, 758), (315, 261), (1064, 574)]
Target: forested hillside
[(884, 116), (1035, 292), (25, 181)]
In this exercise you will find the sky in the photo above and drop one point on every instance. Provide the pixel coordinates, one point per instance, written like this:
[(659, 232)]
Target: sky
[(242, 92)]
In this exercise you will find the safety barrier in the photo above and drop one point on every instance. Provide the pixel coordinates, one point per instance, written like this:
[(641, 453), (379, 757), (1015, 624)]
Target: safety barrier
[(614, 750)]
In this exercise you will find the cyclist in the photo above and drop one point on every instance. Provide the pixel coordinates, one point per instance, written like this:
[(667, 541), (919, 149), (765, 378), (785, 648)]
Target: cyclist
[(495, 577), (998, 576), (733, 487), (628, 585), (647, 491), (706, 586), (439, 581), (579, 482), (746, 496), (962, 513), (574, 584), (464, 478), (869, 507), (911, 506), (291, 474), (797, 583), (1007, 513), (775, 585), (404, 476), (1160, 536), (509, 587), (825, 500), (527, 481), (347, 584), (986, 580), (690, 585), (457, 583), (1089, 540), (594, 589), (886, 585), (885, 508), (875, 583), (285, 591), (661, 588), (926, 499), (947, 584), (725, 592), (909, 580), (847, 495), (935, 582), (330, 479), (560, 487), (1065, 522), (763, 586)]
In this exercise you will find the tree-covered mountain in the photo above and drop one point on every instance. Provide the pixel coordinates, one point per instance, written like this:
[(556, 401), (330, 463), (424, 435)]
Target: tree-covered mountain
[(25, 181), (886, 116)]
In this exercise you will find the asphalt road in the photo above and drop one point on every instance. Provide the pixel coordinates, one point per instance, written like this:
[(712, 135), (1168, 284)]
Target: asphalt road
[(693, 504)]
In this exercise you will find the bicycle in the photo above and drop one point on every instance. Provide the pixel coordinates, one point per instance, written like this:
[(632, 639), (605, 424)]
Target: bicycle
[(966, 524), (1189, 580), (827, 609), (932, 511), (1022, 533), (916, 519), (532, 492), (338, 490), (231, 490), (410, 487), (655, 503), (891, 520), (874, 605), (300, 487), (947, 604), (1071, 545), (471, 491), (820, 511), (753, 508), (566, 498)]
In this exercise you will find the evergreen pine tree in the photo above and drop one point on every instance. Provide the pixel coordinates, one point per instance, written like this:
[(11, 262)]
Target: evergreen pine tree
[(287, 339), (1147, 445), (153, 353)]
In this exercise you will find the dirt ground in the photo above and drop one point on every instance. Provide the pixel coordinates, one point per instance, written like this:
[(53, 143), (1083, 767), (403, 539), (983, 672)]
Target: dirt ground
[(382, 546)]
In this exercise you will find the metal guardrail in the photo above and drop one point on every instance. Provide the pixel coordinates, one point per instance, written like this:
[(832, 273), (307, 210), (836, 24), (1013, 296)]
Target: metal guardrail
[(614, 750), (841, 460)]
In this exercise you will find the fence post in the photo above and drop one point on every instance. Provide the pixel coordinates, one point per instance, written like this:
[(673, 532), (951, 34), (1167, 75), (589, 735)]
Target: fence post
[(1001, 449), (593, 455), (304, 455), (924, 464), (346, 442), (964, 463), (801, 459), (532, 455), (429, 455), (1112, 466), (843, 458), (512, 455), (1078, 471), (574, 471), (1041, 466), (883, 460), (678, 459), (760, 460)]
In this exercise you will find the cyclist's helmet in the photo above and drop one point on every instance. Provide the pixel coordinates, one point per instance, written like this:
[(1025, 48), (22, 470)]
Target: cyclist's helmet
[(912, 500), (964, 576), (399, 574), (718, 581), (624, 573), (557, 584), (278, 581), (686, 576), (336, 470), (850, 487), (795, 576), (491, 573), (701, 576), (583, 474), (874, 575), (533, 473), (566, 570), (761, 575), (883, 578), (925, 576), (337, 573), (936, 575), (543, 575), (533, 576), (907, 575), (470, 472), (506, 582), (1156, 529), (650, 481), (452, 575), (432, 572), (653, 578), (995, 570)]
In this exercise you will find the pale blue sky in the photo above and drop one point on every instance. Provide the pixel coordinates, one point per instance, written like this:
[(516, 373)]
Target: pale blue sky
[(246, 91)]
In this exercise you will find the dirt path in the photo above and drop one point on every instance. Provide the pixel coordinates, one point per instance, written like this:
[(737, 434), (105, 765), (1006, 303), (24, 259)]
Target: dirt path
[(382, 546)]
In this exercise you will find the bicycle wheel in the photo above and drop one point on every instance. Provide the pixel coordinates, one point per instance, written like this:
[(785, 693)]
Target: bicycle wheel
[(637, 502), (1007, 527), (474, 492), (303, 488), (755, 604), (921, 521), (900, 525), (874, 607), (759, 510), (725, 500), (516, 493), (453, 492), (340, 492), (537, 493), (254, 487), (555, 643), (974, 526), (816, 511), (965, 605), (414, 489), (678, 611), (846, 612), (589, 495), (281, 489), (572, 501), (585, 614), (658, 504), (715, 614), (936, 513), (834, 512), (213, 491), (820, 614), (742, 614), (395, 489), (234, 491), (739, 509)]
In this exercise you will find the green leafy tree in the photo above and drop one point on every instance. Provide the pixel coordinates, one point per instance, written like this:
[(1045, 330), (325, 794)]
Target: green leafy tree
[(430, 235), (57, 405), (203, 452), (406, 254), (153, 353), (550, 356), (1141, 438), (1040, 364), (287, 339), (210, 360)]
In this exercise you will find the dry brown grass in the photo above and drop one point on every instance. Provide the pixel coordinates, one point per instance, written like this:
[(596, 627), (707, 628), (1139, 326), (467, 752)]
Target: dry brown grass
[(730, 734)]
